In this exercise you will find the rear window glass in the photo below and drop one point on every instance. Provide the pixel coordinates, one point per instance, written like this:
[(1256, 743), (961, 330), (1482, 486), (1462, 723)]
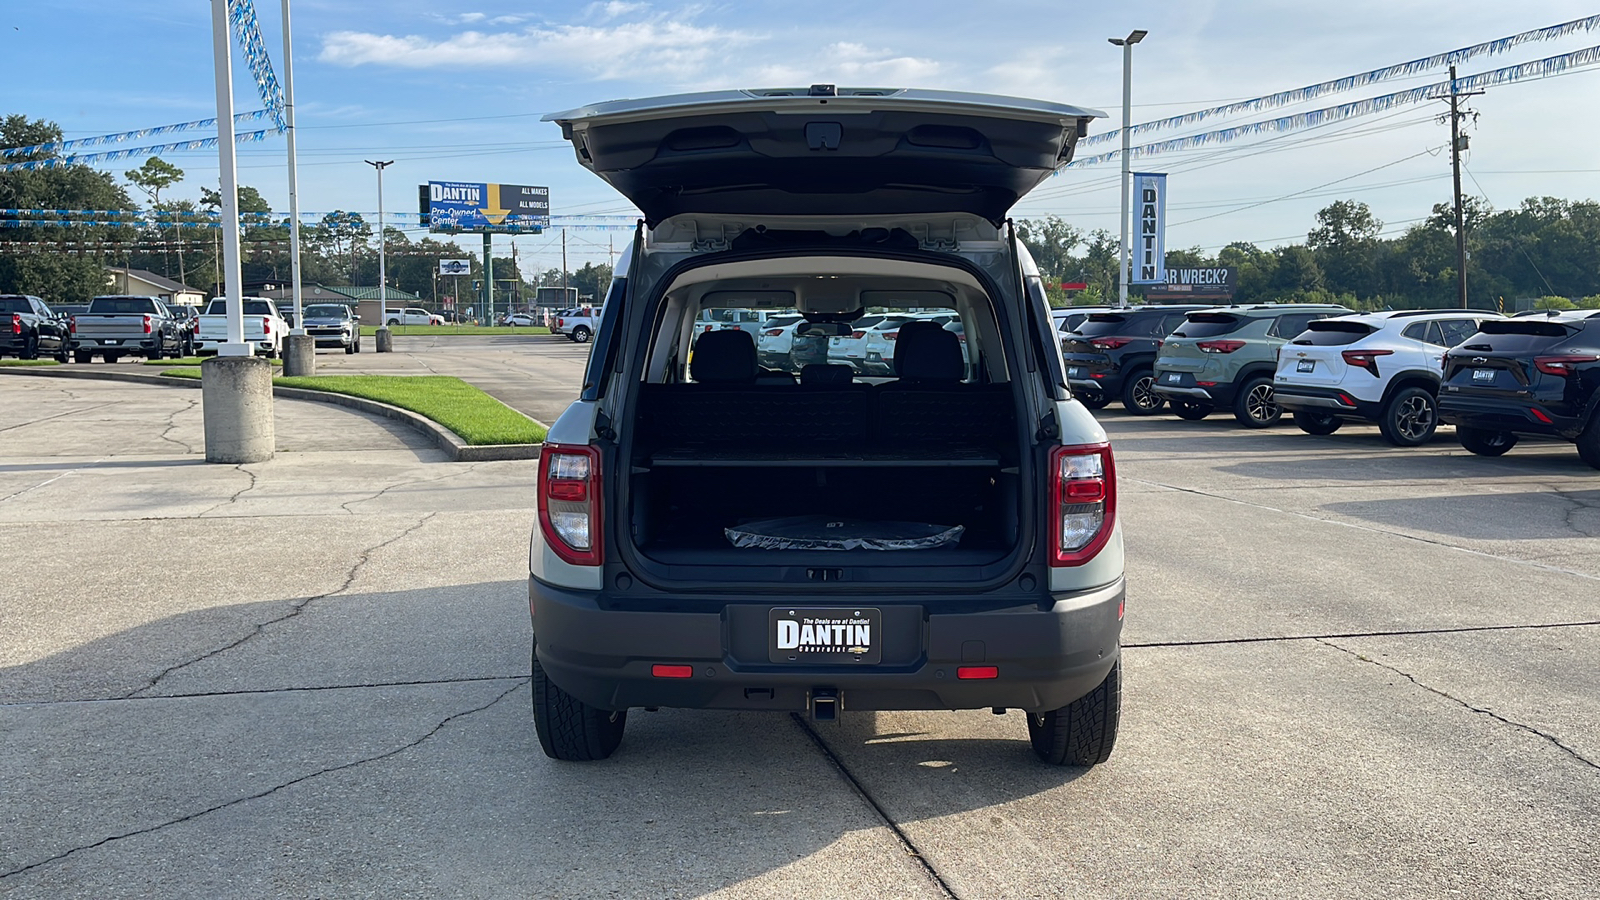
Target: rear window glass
[(251, 308), (1103, 323), (784, 352), (121, 305), (1517, 335), (1330, 333), (1200, 325), (15, 305)]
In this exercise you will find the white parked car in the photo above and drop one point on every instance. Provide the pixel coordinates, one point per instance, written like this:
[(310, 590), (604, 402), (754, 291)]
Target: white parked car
[(851, 350), (411, 315), (879, 343), (1376, 367), (776, 339)]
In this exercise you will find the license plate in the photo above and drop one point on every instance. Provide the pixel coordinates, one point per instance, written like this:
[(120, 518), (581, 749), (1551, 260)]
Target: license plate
[(1483, 375), (1305, 365), (1075, 372), (1172, 378), (832, 636)]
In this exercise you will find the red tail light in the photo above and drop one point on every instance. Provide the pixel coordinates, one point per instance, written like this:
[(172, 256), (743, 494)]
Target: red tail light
[(891, 335), (266, 326), (72, 324), (1365, 359), (16, 323), (1083, 502), (773, 332), (146, 324), (1561, 365), (1219, 346), (1110, 343), (857, 335), (569, 502), (561, 323)]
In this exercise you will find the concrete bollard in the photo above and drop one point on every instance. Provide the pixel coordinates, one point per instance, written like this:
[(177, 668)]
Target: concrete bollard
[(385, 339), (300, 358), (236, 400)]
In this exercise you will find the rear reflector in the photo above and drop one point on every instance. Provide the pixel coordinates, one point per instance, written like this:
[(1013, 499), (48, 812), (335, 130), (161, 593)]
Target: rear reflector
[(664, 671), (978, 672), (1539, 414)]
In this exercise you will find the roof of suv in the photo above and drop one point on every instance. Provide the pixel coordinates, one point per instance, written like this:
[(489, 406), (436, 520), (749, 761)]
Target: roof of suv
[(1406, 316), (1261, 310)]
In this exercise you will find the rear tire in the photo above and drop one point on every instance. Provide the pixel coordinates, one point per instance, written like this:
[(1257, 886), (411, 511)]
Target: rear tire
[(570, 729), (1138, 397), (580, 335), (1192, 410), (1316, 422), (1255, 406), (62, 353), (30, 348), (1485, 442), (1589, 442), (1083, 732), (1093, 401), (1410, 418)]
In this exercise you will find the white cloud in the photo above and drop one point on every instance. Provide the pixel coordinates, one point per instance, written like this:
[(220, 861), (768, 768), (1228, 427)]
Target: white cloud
[(654, 48), (849, 63), (605, 12), (469, 18)]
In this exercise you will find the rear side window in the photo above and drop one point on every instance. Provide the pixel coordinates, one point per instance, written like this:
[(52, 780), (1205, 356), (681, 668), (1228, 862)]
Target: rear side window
[(1292, 324), (1332, 333), (1168, 324), (1201, 325), (1457, 330), (1427, 332)]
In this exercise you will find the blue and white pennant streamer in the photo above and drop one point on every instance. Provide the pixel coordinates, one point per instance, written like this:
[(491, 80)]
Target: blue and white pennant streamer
[(1351, 82), (58, 146), (247, 32), (1543, 68), (243, 137)]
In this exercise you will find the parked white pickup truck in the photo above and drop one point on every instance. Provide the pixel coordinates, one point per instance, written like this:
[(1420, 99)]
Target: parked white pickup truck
[(411, 315), (264, 329), (577, 323)]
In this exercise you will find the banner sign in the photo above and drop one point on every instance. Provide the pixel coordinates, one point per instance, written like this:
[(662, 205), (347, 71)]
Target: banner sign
[(455, 207), (1196, 283), (455, 267), (1150, 245)]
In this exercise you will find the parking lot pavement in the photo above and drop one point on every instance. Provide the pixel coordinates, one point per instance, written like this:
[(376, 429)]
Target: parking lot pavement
[(537, 374), (309, 678)]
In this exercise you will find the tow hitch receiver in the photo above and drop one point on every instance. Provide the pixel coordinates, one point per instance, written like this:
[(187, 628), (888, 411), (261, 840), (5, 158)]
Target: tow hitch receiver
[(824, 704)]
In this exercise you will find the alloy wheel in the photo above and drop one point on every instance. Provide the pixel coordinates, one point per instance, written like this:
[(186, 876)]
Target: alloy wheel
[(1260, 403), (1414, 419)]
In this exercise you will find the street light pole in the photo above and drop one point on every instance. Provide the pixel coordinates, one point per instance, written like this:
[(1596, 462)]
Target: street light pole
[(1126, 44), (294, 182), (383, 293)]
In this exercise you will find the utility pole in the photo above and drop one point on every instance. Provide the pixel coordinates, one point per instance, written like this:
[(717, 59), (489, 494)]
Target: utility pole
[(1458, 142), (563, 265), (1134, 37)]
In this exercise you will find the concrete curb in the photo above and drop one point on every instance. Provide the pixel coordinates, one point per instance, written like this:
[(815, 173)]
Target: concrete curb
[(445, 439)]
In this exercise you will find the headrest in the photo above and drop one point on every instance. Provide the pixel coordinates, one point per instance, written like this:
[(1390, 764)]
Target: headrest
[(925, 351), (724, 357), (824, 373)]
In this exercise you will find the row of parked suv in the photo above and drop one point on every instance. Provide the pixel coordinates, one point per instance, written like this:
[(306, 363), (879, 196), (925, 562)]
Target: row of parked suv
[(1408, 371)]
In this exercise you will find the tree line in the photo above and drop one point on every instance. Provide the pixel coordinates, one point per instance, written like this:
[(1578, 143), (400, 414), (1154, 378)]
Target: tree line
[(340, 249), (1544, 253)]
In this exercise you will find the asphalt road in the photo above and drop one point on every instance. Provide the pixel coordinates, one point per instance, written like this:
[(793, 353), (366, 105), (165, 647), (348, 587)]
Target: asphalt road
[(1352, 671)]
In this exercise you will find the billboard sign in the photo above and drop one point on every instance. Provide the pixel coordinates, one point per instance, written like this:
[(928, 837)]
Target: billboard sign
[(1150, 211), (1196, 283), (455, 267), (456, 207)]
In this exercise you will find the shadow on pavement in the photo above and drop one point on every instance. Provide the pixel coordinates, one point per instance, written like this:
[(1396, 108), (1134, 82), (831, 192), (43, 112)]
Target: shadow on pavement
[(1534, 516), (383, 744)]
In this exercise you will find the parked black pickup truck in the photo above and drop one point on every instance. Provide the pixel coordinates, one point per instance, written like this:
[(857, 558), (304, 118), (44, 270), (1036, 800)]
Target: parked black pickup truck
[(28, 329)]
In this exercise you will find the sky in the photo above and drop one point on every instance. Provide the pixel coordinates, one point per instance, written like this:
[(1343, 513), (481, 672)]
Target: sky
[(453, 91)]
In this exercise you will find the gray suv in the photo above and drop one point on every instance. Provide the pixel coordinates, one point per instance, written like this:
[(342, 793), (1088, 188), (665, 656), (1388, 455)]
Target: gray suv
[(714, 535), (1225, 357)]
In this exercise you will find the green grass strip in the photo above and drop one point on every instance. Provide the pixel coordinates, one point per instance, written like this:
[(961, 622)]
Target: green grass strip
[(455, 330), (193, 372), (469, 412), (28, 362)]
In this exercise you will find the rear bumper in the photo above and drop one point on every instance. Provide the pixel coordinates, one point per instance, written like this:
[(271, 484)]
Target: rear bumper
[(1218, 393), (1326, 400), (1494, 414), (1046, 658)]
